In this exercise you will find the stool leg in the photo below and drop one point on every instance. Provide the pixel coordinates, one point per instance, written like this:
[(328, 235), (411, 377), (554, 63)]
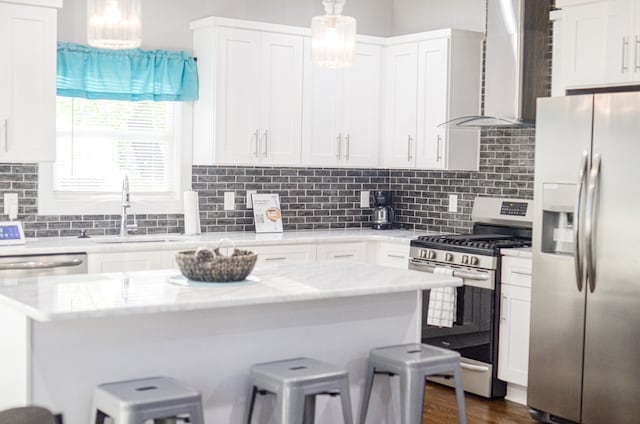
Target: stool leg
[(366, 394), (251, 401), (290, 407), (196, 416), (411, 396), (345, 398), (98, 417), (462, 412)]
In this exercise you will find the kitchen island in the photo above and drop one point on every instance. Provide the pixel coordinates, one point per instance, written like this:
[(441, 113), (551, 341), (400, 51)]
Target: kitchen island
[(61, 336)]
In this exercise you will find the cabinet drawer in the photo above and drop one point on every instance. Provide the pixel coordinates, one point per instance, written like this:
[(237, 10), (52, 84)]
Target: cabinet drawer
[(290, 254), (516, 271), (393, 255), (351, 252)]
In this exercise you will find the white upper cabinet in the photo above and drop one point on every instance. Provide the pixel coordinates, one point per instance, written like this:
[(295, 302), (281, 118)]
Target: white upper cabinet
[(250, 107), (399, 99), (341, 111), (27, 83), (599, 44), (427, 82)]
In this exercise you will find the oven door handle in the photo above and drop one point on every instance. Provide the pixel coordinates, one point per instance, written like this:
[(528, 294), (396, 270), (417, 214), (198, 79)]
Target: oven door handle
[(476, 276), (478, 368)]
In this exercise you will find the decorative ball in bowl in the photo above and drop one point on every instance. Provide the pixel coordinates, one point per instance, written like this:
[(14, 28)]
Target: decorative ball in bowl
[(212, 266)]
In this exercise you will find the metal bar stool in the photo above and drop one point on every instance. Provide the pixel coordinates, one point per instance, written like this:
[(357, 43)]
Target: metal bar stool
[(296, 382), (413, 363), (136, 401)]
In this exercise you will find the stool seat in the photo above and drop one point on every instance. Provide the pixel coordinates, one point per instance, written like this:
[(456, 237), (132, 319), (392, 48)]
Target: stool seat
[(135, 401), (296, 382), (413, 363)]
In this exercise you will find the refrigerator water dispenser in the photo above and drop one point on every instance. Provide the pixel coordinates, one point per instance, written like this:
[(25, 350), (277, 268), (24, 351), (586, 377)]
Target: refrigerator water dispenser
[(557, 218)]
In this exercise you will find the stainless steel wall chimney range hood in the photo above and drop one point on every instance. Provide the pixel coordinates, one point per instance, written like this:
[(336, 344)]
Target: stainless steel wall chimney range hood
[(515, 66)]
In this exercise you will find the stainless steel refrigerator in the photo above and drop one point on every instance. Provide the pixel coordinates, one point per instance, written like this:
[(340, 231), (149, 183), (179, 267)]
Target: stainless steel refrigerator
[(584, 357)]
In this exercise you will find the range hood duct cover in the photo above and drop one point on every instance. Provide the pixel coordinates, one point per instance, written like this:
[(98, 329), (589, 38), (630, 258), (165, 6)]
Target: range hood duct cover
[(515, 65)]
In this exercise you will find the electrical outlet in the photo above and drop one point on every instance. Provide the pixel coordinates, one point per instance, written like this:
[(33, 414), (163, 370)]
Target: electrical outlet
[(11, 205), (453, 203), (365, 199), (229, 200), (249, 199)]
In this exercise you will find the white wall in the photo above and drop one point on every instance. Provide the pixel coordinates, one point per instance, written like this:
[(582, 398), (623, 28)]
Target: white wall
[(411, 16), (165, 23)]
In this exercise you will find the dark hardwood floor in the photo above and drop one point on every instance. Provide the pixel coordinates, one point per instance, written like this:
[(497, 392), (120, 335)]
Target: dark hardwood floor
[(440, 408)]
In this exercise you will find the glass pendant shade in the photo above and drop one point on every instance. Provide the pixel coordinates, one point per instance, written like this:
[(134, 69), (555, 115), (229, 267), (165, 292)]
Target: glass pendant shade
[(333, 38), (114, 24)]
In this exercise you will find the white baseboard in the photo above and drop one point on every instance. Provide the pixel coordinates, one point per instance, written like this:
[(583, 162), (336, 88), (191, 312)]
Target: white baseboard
[(516, 393)]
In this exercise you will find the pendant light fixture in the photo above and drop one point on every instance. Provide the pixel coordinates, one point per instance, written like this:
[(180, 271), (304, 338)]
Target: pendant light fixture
[(113, 24), (333, 37)]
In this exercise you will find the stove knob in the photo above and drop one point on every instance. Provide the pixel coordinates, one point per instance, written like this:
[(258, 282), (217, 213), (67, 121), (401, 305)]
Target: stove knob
[(423, 254), (431, 255), (465, 259), (475, 260), (448, 257)]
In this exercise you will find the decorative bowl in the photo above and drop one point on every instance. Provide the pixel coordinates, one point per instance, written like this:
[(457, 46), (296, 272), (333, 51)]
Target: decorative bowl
[(212, 266)]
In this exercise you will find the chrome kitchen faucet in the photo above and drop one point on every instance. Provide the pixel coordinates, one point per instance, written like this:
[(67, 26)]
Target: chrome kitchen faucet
[(124, 227)]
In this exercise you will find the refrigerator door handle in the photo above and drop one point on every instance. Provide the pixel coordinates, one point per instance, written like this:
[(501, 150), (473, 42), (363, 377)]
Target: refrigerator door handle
[(577, 220), (590, 221)]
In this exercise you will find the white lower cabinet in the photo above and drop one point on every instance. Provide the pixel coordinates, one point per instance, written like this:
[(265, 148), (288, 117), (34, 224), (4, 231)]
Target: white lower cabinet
[(392, 255), (350, 252), (515, 313)]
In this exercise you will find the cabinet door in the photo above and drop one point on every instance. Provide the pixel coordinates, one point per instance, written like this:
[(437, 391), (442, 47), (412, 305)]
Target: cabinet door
[(236, 106), (513, 351), (399, 99), (349, 252), (361, 108), (27, 83), (433, 83), (280, 98), (597, 43), (322, 113)]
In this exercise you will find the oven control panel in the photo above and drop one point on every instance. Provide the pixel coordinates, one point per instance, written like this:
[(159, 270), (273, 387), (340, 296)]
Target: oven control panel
[(454, 258), (514, 208)]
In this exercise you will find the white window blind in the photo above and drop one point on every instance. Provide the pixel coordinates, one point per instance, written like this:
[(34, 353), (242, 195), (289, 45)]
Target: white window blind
[(99, 141)]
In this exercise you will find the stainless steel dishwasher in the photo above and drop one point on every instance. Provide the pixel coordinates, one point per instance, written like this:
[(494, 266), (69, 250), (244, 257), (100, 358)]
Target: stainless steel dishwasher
[(42, 265)]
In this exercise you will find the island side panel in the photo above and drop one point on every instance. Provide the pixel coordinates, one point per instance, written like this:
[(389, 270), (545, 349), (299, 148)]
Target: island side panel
[(15, 350), (212, 351)]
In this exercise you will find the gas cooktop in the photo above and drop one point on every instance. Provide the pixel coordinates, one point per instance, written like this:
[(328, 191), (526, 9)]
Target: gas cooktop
[(481, 244)]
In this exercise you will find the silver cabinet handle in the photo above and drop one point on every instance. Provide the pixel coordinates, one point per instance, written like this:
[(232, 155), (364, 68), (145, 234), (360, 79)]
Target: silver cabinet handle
[(39, 265), (339, 138), (625, 46), (409, 141), (6, 135), (503, 309), (350, 255), (266, 140), (590, 221), (348, 140), (636, 63), (438, 155), (391, 255), (470, 367), (577, 220), (256, 135), (280, 258)]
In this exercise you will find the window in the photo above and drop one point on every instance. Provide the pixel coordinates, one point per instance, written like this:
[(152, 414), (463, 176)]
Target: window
[(98, 142)]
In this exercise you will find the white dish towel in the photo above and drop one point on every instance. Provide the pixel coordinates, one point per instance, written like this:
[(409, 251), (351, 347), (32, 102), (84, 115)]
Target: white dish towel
[(442, 303)]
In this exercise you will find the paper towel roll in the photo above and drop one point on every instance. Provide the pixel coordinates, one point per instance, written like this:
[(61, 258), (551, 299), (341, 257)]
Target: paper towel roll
[(191, 213)]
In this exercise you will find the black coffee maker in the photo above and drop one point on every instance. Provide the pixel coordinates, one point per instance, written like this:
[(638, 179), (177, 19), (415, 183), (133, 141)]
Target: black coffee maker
[(382, 218)]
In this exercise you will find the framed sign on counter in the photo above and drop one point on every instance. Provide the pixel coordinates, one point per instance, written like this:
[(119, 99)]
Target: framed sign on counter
[(267, 213)]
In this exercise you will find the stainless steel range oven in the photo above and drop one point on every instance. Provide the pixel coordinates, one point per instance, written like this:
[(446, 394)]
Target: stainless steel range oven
[(498, 224)]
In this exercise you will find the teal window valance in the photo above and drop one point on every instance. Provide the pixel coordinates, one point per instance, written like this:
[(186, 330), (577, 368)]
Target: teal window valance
[(133, 75)]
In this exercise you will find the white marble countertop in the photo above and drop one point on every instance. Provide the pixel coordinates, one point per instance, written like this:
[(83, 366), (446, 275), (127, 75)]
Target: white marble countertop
[(114, 294), (180, 242), (521, 252)]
